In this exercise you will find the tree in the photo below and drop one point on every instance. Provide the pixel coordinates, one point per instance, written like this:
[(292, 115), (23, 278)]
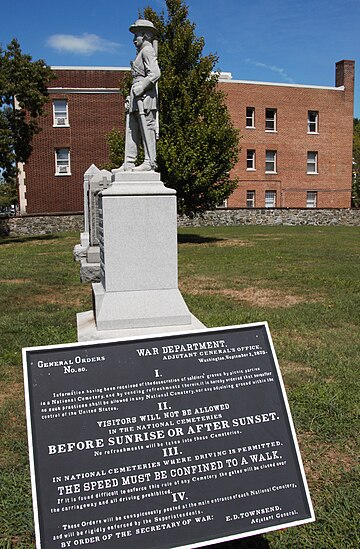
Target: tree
[(198, 144), (23, 93), (356, 164), (8, 192)]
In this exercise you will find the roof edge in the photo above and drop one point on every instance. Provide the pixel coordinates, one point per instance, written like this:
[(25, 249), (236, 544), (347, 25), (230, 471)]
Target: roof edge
[(286, 85), (90, 68)]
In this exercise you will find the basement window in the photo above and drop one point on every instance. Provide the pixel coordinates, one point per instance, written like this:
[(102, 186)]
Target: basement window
[(270, 199), (250, 199), (311, 199)]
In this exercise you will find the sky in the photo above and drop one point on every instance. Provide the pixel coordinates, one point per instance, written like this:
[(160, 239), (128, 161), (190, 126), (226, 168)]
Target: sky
[(286, 41)]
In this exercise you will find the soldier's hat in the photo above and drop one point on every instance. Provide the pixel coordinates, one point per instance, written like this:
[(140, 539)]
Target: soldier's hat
[(143, 25)]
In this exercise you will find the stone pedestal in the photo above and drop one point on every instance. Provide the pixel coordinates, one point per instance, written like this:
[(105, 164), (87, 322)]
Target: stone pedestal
[(138, 262)]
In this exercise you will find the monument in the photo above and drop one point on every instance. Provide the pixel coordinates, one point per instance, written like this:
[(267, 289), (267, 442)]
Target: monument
[(138, 290)]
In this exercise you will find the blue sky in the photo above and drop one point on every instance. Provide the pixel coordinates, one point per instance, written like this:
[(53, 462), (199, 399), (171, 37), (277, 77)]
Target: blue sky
[(266, 40)]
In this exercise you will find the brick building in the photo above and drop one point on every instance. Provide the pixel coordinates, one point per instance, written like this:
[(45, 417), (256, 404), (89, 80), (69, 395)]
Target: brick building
[(296, 146), (297, 142), (85, 104)]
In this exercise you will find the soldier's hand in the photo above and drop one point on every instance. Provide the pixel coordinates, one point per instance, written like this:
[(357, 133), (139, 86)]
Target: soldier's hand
[(138, 89)]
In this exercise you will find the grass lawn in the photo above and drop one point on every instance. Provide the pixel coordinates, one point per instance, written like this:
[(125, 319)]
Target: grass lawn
[(305, 281)]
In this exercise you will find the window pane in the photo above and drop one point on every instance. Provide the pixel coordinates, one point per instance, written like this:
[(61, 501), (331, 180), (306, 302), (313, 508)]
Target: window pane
[(62, 154), (60, 105)]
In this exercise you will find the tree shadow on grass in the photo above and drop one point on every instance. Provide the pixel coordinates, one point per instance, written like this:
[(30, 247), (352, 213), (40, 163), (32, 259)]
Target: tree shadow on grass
[(27, 238), (196, 239)]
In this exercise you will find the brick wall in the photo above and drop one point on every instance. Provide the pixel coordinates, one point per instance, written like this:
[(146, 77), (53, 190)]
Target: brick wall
[(89, 78)]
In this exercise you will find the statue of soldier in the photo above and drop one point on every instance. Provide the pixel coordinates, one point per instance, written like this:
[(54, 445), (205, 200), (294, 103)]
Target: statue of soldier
[(141, 105)]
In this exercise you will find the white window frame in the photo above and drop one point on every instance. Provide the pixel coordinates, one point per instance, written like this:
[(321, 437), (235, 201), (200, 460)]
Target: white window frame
[(250, 160), (250, 117), (250, 199), (273, 161), (62, 165), (270, 119), (270, 199), (224, 204), (312, 163), (60, 114), (311, 199), (313, 122)]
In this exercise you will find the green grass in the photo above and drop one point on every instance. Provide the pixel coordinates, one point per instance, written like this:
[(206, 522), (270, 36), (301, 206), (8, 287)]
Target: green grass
[(305, 281)]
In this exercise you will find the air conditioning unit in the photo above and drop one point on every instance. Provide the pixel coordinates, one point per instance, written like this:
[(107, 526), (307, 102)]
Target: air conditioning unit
[(63, 169), (60, 121)]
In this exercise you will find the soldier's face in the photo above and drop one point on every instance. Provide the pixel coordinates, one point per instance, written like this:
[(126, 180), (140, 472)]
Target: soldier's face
[(138, 40)]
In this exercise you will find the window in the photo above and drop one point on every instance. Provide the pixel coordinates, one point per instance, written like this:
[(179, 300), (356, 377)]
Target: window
[(313, 117), (224, 204), (60, 110), (312, 162), (250, 199), (270, 164), (250, 159), (270, 120), (250, 117), (311, 199), (270, 199), (62, 162)]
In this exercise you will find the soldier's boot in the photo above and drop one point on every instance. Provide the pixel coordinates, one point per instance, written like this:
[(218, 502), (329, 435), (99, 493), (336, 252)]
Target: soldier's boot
[(126, 167), (144, 167)]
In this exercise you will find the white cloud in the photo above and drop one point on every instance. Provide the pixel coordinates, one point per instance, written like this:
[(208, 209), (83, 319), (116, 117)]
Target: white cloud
[(85, 44), (272, 68)]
